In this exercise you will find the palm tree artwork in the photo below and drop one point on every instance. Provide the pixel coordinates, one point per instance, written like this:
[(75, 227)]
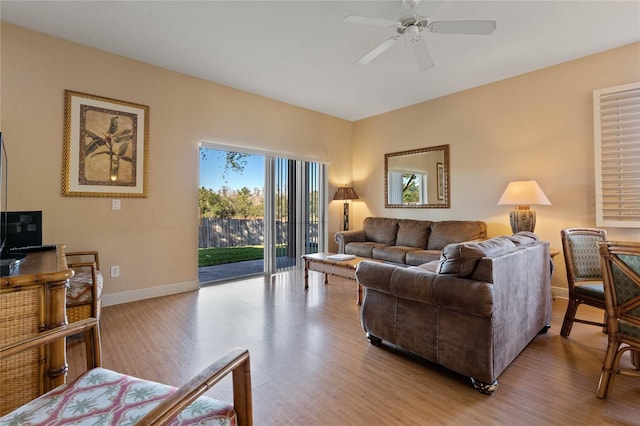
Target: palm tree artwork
[(112, 143)]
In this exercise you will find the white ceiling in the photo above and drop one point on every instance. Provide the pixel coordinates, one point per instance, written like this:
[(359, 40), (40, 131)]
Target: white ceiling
[(301, 52)]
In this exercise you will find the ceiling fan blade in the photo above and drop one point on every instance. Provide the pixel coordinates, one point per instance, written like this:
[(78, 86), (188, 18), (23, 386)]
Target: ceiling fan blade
[(376, 51), (423, 57), (463, 27), (364, 20)]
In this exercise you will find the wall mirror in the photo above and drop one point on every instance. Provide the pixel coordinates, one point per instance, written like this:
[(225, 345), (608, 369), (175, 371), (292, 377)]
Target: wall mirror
[(418, 178)]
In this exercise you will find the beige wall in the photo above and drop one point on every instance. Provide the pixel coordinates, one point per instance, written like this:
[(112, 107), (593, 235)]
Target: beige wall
[(535, 126), (154, 240)]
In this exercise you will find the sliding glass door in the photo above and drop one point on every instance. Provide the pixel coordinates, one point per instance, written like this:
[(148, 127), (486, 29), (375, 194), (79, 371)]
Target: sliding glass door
[(253, 225), (297, 214), (231, 207)]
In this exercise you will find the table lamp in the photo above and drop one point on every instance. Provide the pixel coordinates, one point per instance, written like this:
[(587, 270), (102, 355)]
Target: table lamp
[(346, 193), (522, 194)]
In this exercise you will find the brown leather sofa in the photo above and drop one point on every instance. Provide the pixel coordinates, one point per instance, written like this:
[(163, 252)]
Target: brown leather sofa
[(407, 241), (473, 311)]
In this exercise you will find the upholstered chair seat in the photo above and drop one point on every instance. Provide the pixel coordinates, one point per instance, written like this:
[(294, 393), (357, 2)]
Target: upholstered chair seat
[(590, 290), (102, 396)]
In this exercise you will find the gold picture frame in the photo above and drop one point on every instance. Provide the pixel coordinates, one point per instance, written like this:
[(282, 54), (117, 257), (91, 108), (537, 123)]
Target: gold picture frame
[(106, 147)]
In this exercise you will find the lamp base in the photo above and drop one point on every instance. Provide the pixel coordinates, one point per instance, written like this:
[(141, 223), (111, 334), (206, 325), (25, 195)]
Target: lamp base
[(522, 220), (345, 216)]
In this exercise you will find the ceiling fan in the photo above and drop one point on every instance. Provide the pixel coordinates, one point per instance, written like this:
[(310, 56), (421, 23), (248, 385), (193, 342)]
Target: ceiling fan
[(411, 29)]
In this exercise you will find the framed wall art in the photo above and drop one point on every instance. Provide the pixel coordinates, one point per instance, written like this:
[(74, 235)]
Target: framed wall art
[(106, 147)]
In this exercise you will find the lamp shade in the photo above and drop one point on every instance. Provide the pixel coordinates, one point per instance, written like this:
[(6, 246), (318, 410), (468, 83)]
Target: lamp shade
[(523, 193), (345, 193)]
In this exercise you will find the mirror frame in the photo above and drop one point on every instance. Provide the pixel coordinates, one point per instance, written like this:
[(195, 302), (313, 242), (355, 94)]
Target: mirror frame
[(445, 204)]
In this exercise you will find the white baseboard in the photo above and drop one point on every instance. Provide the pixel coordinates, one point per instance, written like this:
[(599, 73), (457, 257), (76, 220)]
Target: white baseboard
[(148, 293), (561, 292)]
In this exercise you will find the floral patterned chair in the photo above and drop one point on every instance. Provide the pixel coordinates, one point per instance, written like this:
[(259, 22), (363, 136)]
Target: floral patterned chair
[(32, 339)]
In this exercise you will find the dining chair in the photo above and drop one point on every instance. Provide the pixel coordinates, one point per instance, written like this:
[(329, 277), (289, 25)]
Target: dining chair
[(584, 274), (621, 274)]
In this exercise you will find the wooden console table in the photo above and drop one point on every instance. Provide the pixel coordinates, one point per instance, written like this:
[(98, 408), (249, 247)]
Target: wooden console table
[(33, 300)]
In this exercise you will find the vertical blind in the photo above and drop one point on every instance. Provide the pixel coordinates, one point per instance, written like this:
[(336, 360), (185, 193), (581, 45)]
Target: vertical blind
[(617, 155)]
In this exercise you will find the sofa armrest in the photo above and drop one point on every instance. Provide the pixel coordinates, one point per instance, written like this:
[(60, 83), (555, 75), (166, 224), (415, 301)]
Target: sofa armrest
[(345, 237), (375, 275)]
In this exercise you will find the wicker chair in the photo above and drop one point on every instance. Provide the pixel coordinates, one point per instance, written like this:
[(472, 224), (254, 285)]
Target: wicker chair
[(33, 360), (83, 297), (621, 267), (584, 275)]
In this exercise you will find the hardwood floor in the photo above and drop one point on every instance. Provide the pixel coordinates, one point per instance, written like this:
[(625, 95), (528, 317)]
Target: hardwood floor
[(312, 365)]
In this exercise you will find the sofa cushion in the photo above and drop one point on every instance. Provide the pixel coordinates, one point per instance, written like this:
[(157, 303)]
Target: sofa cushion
[(461, 259), (79, 290), (418, 257), (455, 231), (381, 230), (524, 238), (429, 266), (394, 254), (362, 249), (413, 233)]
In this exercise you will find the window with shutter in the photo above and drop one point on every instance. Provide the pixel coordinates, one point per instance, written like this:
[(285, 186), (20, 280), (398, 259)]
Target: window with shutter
[(616, 113)]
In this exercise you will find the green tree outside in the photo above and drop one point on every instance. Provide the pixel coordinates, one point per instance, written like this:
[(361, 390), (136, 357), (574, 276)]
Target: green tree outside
[(410, 189)]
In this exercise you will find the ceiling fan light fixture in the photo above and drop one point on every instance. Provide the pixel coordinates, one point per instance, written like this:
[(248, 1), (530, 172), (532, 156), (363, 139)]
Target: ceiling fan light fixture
[(412, 32)]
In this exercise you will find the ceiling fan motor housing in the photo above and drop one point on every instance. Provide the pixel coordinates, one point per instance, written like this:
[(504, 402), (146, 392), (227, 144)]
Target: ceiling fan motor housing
[(412, 25)]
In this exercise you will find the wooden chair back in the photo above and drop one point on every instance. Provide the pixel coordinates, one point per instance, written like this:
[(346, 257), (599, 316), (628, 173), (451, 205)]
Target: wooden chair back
[(581, 254), (621, 273)]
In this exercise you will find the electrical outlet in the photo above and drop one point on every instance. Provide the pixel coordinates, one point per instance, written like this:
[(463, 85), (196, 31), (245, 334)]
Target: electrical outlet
[(115, 271)]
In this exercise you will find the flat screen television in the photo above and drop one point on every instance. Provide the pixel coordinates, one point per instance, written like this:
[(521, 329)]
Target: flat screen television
[(21, 229), (17, 228)]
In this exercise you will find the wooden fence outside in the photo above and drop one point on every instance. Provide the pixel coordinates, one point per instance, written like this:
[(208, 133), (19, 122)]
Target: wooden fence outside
[(241, 232)]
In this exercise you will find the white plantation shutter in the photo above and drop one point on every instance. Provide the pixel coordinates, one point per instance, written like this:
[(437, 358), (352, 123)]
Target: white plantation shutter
[(617, 155)]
